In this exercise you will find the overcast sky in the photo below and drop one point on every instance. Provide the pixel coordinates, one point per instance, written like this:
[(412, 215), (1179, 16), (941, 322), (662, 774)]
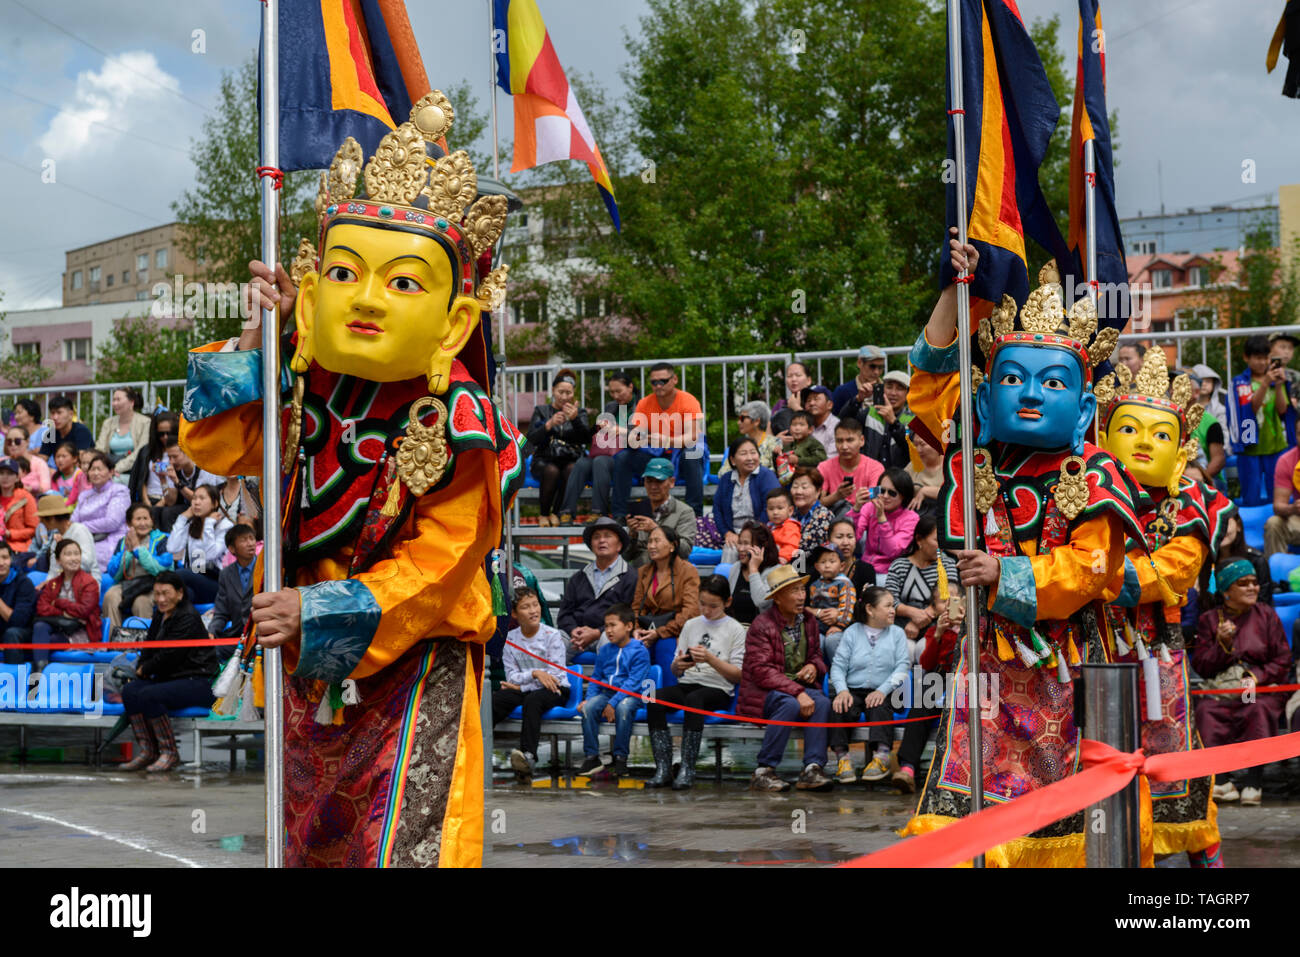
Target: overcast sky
[(113, 92)]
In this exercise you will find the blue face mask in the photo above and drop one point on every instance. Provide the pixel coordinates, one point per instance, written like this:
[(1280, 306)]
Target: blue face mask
[(1035, 397)]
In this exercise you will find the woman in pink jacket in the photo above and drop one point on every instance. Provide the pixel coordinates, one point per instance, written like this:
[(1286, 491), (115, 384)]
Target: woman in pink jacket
[(885, 523)]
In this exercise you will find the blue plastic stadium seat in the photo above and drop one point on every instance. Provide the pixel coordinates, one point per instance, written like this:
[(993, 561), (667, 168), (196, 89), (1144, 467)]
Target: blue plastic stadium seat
[(135, 621), (663, 655), (586, 658), (105, 583), (677, 716), (37, 578), (705, 556), (723, 569), (189, 713), (566, 710), (1286, 598), (1280, 565), (65, 687), (201, 609), (13, 685), (529, 480), (656, 676), (1253, 518), (82, 657), (1288, 614)]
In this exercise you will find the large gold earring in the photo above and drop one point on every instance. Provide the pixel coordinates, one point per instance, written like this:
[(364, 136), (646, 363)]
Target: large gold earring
[(986, 483), (1072, 487)]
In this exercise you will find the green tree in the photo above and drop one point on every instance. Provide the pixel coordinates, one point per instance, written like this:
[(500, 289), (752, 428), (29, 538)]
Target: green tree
[(21, 370), (140, 350)]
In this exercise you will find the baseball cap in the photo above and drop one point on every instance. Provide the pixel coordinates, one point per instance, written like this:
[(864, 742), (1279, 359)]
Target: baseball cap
[(871, 352), (658, 469), (819, 390), (1273, 337), (1204, 372), (10, 464), (897, 375)]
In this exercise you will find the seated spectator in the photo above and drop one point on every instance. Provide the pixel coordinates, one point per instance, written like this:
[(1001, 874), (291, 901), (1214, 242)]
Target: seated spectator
[(1240, 644), (596, 468), (557, 439), (831, 598), (755, 553), (184, 478), (796, 380), (1209, 393), (928, 479), (668, 420), (781, 679), (625, 665), (913, 579), (230, 501), (66, 428), (1210, 456), (847, 477), (885, 423), (18, 508), (38, 477), (1233, 545), (817, 403), (885, 523), (531, 683), (813, 517), (608, 580), (802, 449), (68, 479), (1261, 421), (126, 431), (871, 661), (786, 530), (1131, 355), (234, 601), (27, 416), (197, 542), (1282, 530), (664, 511), (17, 607), (139, 557), (844, 536), (67, 605), (101, 507), (667, 590), (859, 390), (742, 491), (710, 653), (170, 678), (752, 422), (56, 515), (148, 479), (939, 649)]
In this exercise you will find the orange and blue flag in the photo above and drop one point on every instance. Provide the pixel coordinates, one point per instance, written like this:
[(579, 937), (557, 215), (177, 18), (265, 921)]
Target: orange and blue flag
[(549, 124), (347, 68), (1010, 115), (1092, 123)]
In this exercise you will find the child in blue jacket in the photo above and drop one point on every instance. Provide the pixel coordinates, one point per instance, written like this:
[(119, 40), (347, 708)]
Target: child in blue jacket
[(623, 663)]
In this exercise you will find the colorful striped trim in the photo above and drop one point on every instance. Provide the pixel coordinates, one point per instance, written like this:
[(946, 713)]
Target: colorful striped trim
[(402, 761)]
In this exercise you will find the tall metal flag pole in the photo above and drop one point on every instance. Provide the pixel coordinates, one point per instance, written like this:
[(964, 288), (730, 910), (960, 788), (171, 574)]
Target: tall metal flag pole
[(1090, 213), (272, 571), (498, 312), (969, 515)]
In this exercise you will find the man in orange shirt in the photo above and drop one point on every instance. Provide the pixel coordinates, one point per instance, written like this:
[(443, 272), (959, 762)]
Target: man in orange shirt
[(667, 420)]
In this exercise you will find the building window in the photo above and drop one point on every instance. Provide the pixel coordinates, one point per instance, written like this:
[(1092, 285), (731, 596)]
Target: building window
[(1162, 279), (126, 276), (76, 279), (590, 307), (27, 349), (110, 279), (528, 310), (160, 259), (1198, 276), (201, 256), (76, 350), (142, 262), (94, 274), (1145, 247), (141, 296)]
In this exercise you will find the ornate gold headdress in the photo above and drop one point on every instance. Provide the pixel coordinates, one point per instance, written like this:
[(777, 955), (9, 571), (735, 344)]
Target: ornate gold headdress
[(1043, 321), (411, 189), (1152, 389)]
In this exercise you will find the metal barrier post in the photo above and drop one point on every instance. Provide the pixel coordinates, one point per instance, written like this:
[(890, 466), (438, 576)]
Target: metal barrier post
[(1111, 827)]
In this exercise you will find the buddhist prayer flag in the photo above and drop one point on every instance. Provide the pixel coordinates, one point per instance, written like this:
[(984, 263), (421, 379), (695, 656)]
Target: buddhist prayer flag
[(549, 124), (1091, 123), (347, 68), (1010, 114)]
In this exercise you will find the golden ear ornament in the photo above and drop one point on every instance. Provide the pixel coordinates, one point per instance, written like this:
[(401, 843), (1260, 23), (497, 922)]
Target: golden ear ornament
[(294, 432), (1072, 487), (986, 483), (304, 262), (421, 454)]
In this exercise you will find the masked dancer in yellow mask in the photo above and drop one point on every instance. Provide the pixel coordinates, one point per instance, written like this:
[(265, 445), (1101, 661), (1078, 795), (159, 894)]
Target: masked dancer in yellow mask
[(1147, 425), (398, 467)]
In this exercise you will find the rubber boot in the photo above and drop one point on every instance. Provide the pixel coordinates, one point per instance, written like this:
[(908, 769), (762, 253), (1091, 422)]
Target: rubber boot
[(690, 751), (661, 743), (168, 756), (146, 746)]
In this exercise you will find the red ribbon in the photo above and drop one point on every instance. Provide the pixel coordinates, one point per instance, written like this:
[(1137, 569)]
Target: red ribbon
[(1105, 772), (276, 174), (969, 277)]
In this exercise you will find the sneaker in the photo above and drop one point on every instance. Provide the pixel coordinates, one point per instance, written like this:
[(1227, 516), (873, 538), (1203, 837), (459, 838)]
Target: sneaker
[(814, 778), (905, 780), (520, 762), (619, 768), (1226, 792), (591, 765), (765, 779), (844, 772), (877, 770), (1251, 797)]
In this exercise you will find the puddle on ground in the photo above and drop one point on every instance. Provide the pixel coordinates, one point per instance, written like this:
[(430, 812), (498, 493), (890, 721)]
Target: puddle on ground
[(634, 847)]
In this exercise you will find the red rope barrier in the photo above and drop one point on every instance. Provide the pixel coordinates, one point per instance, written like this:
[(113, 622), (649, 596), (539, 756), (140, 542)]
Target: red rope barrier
[(121, 645), (745, 719)]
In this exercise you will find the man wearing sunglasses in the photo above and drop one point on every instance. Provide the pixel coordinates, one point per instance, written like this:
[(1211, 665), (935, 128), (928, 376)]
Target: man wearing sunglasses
[(666, 420)]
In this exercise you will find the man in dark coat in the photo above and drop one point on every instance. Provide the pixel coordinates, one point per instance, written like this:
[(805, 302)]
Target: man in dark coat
[(607, 581), (17, 605)]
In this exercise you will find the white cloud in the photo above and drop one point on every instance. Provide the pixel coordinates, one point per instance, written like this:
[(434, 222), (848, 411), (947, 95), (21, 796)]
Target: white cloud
[(103, 97)]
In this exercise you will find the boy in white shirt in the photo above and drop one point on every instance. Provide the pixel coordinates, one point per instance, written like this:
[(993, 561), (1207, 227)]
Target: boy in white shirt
[(531, 683)]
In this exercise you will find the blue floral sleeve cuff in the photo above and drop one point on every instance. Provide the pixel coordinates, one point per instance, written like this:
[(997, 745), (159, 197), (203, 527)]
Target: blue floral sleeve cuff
[(339, 619), (217, 382), (1128, 595), (1017, 595), (933, 359)]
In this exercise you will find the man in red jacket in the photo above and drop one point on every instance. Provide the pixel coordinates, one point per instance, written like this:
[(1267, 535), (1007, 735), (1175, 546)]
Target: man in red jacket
[(782, 680)]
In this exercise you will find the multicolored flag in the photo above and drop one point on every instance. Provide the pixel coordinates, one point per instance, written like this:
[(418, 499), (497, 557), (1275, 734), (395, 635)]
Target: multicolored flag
[(549, 124), (347, 68), (1091, 123), (1010, 114)]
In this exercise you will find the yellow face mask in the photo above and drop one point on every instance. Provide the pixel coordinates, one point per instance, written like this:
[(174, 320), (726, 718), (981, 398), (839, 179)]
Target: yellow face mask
[(378, 309), (1149, 443)]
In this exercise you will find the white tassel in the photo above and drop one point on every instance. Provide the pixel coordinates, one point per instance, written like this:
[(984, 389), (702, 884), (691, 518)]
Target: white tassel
[(1165, 657), (230, 701), (247, 710), (325, 713), (229, 674), (1151, 675), (1027, 654), (990, 524), (1121, 648), (1062, 667), (1141, 646), (350, 693)]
